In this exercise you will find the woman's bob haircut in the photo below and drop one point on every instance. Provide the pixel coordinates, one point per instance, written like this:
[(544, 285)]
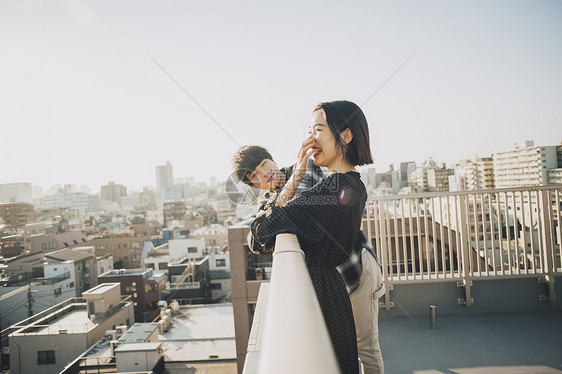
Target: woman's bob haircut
[(342, 115)]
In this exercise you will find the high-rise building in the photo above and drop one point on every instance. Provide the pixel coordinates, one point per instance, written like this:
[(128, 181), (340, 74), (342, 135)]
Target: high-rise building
[(15, 193), (526, 165), (419, 175), (438, 179), (475, 174), (113, 192), (66, 198), (164, 176), (406, 171), (555, 175)]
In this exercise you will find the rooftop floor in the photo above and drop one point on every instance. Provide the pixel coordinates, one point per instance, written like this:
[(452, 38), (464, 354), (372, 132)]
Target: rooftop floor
[(199, 333), (473, 344), (74, 322)]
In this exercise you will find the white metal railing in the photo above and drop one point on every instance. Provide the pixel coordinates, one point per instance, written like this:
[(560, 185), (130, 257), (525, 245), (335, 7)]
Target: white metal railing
[(295, 337), (458, 236)]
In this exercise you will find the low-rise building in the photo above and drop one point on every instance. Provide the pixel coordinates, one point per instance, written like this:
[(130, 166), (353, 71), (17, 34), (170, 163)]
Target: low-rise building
[(215, 235), (125, 246), (17, 214), (187, 338), (52, 241), (20, 299), (173, 251), (81, 267), (190, 281), (143, 285), (102, 263), (11, 245), (50, 340)]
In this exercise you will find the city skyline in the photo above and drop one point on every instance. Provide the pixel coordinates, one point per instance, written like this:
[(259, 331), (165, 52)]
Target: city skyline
[(97, 92)]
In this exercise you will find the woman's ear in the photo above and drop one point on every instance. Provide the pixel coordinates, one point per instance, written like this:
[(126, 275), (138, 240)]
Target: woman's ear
[(347, 135)]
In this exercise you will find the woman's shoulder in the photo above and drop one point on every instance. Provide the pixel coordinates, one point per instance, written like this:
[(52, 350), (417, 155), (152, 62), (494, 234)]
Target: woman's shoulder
[(349, 178), (335, 182)]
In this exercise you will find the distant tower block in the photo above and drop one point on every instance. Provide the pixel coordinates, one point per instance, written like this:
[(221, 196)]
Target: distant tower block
[(164, 176)]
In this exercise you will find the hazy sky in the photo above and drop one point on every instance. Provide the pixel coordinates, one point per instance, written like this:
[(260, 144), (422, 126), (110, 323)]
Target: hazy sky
[(83, 102)]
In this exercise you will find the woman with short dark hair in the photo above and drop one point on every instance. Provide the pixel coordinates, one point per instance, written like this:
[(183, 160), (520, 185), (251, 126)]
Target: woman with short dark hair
[(326, 218)]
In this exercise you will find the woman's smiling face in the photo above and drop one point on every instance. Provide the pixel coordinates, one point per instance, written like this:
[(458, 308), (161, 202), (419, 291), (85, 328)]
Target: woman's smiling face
[(326, 151)]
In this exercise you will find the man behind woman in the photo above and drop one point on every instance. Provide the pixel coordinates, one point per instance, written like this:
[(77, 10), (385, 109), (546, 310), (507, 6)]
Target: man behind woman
[(326, 219)]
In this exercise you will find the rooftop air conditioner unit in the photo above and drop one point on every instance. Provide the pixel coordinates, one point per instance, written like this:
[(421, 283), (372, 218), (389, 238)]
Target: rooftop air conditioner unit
[(111, 335), (161, 326), (162, 304), (165, 323), (121, 330)]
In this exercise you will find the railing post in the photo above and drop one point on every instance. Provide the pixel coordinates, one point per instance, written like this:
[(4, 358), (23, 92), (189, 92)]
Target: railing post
[(545, 208), (466, 252), (385, 258)]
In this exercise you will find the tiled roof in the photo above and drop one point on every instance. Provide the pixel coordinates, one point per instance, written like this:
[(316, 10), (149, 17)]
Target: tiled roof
[(69, 238), (68, 255)]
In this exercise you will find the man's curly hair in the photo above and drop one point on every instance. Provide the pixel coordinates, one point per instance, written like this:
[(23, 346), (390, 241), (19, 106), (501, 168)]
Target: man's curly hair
[(246, 159)]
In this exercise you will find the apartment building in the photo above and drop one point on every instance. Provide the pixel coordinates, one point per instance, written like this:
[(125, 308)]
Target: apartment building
[(438, 179), (125, 246), (35, 229), (164, 176), (48, 341), (225, 209), (219, 267), (484, 174), (81, 267), (173, 251), (53, 241), (22, 297), (420, 177), (555, 175), (102, 264), (190, 281), (15, 192), (473, 174), (215, 235), (35, 282), (144, 287), (11, 245), (17, 214), (526, 165), (66, 198), (174, 211), (113, 192)]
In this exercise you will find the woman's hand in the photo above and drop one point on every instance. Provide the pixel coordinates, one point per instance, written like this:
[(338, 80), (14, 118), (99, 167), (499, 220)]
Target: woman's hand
[(304, 154), (299, 171)]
